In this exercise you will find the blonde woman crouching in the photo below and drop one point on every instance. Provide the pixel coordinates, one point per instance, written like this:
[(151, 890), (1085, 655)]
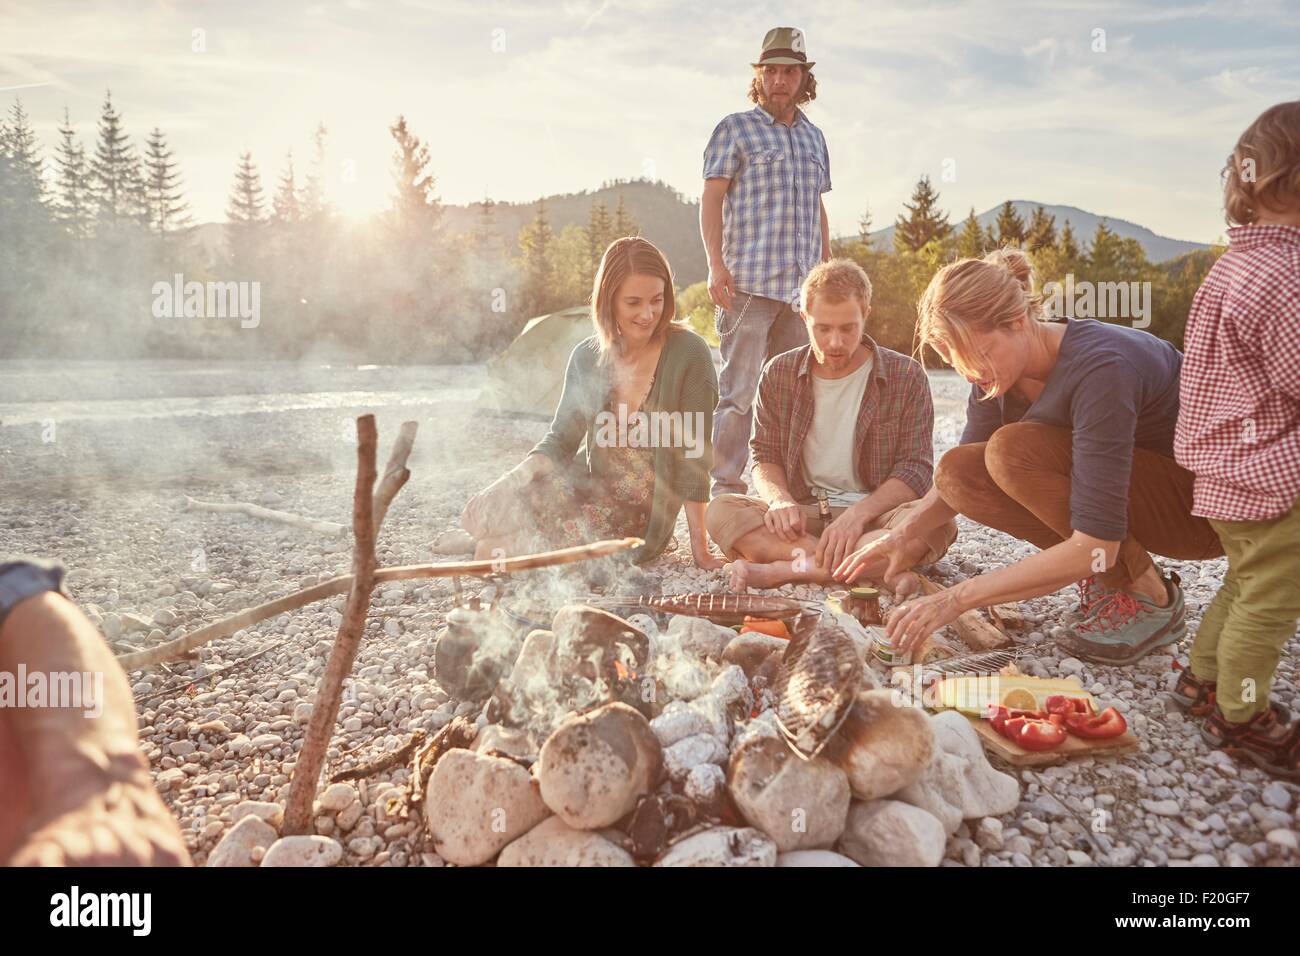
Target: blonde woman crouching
[(1068, 445)]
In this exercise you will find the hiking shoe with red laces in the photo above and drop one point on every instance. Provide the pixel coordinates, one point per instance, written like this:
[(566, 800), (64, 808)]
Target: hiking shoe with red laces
[(1121, 628), (1266, 740), (1091, 591)]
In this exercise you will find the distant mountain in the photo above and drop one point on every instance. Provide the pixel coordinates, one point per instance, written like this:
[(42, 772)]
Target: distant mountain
[(665, 216), (1158, 248), (672, 222)]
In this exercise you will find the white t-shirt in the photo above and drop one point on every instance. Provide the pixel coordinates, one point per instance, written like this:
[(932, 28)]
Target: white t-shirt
[(828, 448)]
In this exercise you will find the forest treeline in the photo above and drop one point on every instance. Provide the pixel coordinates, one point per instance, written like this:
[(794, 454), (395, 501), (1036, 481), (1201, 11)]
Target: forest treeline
[(88, 232)]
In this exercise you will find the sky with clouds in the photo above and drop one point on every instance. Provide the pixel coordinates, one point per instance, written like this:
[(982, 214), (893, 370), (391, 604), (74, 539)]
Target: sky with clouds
[(519, 99)]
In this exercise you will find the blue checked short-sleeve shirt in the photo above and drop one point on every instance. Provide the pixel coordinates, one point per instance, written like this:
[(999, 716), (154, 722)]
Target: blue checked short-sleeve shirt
[(771, 216)]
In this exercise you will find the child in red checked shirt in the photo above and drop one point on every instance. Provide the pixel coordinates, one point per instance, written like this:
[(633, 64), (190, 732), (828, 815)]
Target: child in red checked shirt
[(1239, 433)]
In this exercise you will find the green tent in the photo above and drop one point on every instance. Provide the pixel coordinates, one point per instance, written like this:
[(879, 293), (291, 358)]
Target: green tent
[(527, 378)]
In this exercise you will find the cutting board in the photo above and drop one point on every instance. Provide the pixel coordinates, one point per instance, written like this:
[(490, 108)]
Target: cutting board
[(1017, 756)]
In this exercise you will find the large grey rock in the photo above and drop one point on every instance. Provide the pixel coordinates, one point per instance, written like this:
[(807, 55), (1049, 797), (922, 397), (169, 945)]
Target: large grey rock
[(303, 851), (272, 813), (685, 755), (750, 651), (337, 797), (554, 843), (892, 833), (677, 722), (593, 767), (960, 783), (237, 846), (881, 746), (696, 636), (801, 804), (722, 846), (475, 804)]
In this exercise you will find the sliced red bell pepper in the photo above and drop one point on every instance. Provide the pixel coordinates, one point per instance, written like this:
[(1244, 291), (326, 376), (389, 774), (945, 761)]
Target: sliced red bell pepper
[(1060, 704), (1034, 733), (998, 715), (1109, 723)]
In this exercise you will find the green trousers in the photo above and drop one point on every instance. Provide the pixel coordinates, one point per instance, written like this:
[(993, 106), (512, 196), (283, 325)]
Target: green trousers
[(1244, 629)]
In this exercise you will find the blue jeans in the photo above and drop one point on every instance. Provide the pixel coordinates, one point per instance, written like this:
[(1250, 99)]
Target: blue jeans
[(751, 332)]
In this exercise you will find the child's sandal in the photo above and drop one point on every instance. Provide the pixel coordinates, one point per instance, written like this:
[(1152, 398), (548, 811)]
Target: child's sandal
[(1192, 694)]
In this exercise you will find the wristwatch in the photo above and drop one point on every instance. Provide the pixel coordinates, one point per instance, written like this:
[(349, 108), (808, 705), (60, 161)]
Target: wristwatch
[(22, 579)]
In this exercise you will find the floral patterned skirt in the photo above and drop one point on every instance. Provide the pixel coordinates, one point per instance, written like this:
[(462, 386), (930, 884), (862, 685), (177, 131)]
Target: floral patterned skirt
[(559, 512)]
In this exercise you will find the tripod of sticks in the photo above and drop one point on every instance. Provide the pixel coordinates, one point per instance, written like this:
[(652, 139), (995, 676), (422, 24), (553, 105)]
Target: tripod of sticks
[(369, 507)]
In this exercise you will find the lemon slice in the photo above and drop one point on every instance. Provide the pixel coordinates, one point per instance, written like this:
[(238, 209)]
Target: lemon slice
[(1017, 698)]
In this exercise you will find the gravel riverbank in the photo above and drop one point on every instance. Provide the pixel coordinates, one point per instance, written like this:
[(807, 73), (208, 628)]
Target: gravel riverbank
[(104, 496)]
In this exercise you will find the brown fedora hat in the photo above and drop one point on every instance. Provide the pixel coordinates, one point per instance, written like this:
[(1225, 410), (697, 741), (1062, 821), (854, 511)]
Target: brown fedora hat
[(784, 45)]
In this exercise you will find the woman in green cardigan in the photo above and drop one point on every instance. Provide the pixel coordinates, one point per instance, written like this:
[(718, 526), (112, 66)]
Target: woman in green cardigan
[(630, 442)]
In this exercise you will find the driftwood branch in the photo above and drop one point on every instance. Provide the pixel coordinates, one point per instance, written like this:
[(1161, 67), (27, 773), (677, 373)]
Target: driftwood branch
[(384, 762), (329, 690), (343, 583), (270, 514)]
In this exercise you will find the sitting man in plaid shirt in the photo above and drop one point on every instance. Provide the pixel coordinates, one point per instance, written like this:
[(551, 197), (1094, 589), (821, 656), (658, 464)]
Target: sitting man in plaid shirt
[(842, 447), (764, 227), (1239, 433)]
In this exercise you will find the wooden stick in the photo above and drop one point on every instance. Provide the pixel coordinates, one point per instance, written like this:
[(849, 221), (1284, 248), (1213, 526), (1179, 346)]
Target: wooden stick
[(1009, 617), (329, 690), (341, 585), (970, 627), (270, 514)]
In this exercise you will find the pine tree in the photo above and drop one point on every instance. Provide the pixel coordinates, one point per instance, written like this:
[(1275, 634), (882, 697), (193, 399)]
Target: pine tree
[(167, 211), (1011, 228), (118, 182), (312, 204), (624, 224), (1042, 230), (924, 221), (416, 211), (485, 229), (19, 147), (72, 207), (1067, 244), (970, 243), (1104, 255), (535, 241), (600, 232), (864, 227), (285, 208), (245, 214)]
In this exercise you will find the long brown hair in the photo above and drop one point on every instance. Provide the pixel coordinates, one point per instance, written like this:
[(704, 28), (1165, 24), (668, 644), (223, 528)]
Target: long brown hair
[(1264, 168), (625, 257)]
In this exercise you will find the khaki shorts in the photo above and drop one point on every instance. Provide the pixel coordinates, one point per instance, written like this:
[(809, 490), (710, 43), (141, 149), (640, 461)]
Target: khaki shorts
[(730, 517)]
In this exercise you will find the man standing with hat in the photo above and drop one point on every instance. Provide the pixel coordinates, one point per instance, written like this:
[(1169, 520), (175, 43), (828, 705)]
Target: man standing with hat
[(764, 228)]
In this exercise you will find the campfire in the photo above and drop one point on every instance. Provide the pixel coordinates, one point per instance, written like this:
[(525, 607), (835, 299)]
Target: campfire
[(665, 737), (679, 730)]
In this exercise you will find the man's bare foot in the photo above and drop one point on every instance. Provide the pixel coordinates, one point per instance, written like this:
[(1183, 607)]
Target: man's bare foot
[(737, 573), (742, 575), (904, 584)]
